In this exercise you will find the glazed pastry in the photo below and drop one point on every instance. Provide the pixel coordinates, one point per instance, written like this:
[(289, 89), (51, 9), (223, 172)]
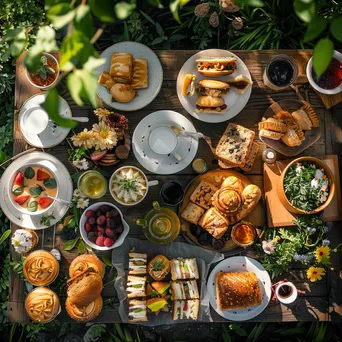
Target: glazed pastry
[(290, 138), (86, 262), (214, 223), (84, 288), (106, 80), (136, 287), (40, 268), (203, 194), (184, 269), (137, 311), (272, 124), (236, 290), (302, 119), (140, 76), (137, 263), (84, 313), (121, 68), (270, 134), (159, 267), (192, 213), (187, 309), (227, 201), (235, 145), (251, 157), (24, 240), (42, 305), (240, 83), (233, 183), (312, 115)]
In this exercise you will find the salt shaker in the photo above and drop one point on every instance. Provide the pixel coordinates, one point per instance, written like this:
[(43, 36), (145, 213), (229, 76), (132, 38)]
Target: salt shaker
[(269, 156)]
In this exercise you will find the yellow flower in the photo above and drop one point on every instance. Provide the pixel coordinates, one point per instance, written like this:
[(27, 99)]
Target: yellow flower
[(322, 253), (102, 113), (315, 273), (84, 139), (106, 137)]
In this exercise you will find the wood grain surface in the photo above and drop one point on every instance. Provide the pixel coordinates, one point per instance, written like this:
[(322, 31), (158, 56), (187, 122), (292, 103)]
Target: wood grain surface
[(322, 301)]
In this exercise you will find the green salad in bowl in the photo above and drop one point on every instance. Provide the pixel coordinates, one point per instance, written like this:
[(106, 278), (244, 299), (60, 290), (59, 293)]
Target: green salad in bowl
[(306, 185)]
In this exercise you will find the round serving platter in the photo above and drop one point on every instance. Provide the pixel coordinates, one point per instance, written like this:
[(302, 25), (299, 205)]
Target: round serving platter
[(57, 209), (240, 264), (235, 102), (216, 177)]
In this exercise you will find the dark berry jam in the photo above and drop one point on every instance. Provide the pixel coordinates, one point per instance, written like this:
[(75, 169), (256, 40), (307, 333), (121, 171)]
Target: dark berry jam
[(332, 77), (280, 73)]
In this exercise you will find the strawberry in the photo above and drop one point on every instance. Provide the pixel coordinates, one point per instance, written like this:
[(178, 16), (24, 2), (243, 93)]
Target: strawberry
[(100, 241), (108, 242), (22, 199), (44, 202), (19, 179), (87, 227), (90, 213), (41, 175)]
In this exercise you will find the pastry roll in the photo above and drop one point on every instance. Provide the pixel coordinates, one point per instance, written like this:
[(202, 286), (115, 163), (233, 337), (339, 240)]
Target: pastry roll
[(140, 73), (270, 134), (227, 201), (241, 83), (106, 80), (121, 68), (235, 290), (312, 115), (302, 119), (214, 223), (272, 124), (290, 138)]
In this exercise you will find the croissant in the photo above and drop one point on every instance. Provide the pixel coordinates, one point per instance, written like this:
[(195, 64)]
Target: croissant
[(232, 182), (214, 223)]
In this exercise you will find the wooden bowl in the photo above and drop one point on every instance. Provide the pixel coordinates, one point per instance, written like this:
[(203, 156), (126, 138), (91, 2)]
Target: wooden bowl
[(287, 203)]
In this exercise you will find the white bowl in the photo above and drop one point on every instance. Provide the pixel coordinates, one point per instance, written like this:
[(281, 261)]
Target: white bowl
[(314, 85), (148, 184), (19, 207), (48, 55), (84, 235)]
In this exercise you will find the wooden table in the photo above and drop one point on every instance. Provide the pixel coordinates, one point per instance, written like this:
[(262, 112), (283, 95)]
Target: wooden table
[(321, 301)]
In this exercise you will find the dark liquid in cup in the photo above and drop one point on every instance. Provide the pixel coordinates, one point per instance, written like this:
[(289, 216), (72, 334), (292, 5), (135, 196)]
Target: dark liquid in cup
[(280, 73), (172, 193), (285, 291), (332, 77)]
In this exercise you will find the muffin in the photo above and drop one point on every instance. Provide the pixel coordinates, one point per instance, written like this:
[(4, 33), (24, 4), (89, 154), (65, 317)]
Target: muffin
[(24, 240), (42, 305), (40, 268)]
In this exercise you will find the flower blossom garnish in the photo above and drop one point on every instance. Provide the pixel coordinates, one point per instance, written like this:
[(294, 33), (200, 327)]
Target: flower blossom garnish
[(202, 10), (106, 137), (77, 193), (84, 139), (228, 6), (82, 203), (269, 245), (102, 113), (214, 20), (326, 242), (322, 254), (81, 164), (315, 273), (237, 23)]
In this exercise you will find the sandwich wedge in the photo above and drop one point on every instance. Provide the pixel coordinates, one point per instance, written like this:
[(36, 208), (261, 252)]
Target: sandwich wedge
[(213, 88), (210, 104), (187, 309), (216, 66)]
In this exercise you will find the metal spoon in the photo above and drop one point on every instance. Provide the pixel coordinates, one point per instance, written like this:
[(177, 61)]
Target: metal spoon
[(59, 200), (179, 131), (79, 119)]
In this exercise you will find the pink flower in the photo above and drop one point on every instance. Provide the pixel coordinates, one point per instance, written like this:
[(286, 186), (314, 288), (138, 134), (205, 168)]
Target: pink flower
[(237, 23), (214, 20), (267, 246), (202, 10)]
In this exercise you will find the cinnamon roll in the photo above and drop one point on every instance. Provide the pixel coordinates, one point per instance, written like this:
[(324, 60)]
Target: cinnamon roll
[(227, 201)]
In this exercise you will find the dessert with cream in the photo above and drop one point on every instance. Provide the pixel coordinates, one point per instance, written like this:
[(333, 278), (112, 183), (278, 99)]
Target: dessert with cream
[(24, 240)]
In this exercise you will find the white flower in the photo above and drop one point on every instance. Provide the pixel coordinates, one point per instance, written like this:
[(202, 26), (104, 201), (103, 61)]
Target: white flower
[(81, 164), (82, 202), (77, 193)]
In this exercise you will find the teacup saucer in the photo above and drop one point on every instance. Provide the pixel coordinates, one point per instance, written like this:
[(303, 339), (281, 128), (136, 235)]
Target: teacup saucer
[(164, 163), (53, 134)]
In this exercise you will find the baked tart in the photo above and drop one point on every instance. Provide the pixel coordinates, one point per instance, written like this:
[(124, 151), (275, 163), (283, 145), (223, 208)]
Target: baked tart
[(84, 313), (270, 134), (272, 124), (40, 268)]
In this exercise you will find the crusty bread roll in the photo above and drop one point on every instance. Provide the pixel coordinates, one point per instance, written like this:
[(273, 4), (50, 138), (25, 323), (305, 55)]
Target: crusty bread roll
[(86, 262), (232, 182), (210, 104), (84, 313), (84, 288), (216, 66), (122, 93)]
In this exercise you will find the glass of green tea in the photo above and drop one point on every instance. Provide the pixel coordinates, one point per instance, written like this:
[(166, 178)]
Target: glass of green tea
[(92, 184)]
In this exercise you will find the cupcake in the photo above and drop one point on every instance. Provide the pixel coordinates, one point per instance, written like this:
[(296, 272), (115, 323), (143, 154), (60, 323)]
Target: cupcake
[(40, 268), (42, 305), (24, 240)]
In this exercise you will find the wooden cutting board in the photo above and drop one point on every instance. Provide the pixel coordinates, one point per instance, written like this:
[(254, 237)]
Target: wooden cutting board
[(329, 101), (277, 215)]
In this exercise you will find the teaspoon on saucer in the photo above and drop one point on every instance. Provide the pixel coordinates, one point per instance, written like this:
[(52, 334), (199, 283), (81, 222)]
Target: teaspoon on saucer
[(179, 131)]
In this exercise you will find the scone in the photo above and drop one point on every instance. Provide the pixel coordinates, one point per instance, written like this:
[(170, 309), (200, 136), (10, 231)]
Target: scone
[(202, 194), (192, 213), (290, 138), (270, 134), (272, 124), (214, 223), (302, 119)]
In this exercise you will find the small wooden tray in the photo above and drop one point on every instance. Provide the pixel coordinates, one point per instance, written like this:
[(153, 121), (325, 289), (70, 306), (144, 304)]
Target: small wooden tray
[(216, 177), (277, 215), (310, 136)]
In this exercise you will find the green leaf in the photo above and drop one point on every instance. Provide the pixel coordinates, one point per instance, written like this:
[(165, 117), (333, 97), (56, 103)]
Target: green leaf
[(315, 28), (3, 157), (17, 190), (32, 58), (70, 244), (158, 40), (160, 30), (29, 173), (75, 87), (103, 10), (322, 55), (93, 63), (106, 261), (81, 246), (156, 3), (42, 73), (124, 9), (176, 37), (89, 79), (12, 34), (61, 14), (83, 20), (5, 235), (252, 3), (51, 105), (32, 205), (76, 50), (50, 183), (46, 39), (126, 35), (336, 28), (19, 44), (175, 5), (148, 18), (305, 11), (35, 191)]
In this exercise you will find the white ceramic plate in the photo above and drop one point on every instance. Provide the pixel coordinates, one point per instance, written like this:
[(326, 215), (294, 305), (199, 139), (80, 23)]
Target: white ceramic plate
[(47, 138), (57, 209), (164, 164), (235, 102), (155, 75), (240, 264)]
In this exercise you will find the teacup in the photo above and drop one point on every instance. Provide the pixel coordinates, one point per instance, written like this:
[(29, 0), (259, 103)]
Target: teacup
[(35, 120), (286, 292), (163, 140)]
